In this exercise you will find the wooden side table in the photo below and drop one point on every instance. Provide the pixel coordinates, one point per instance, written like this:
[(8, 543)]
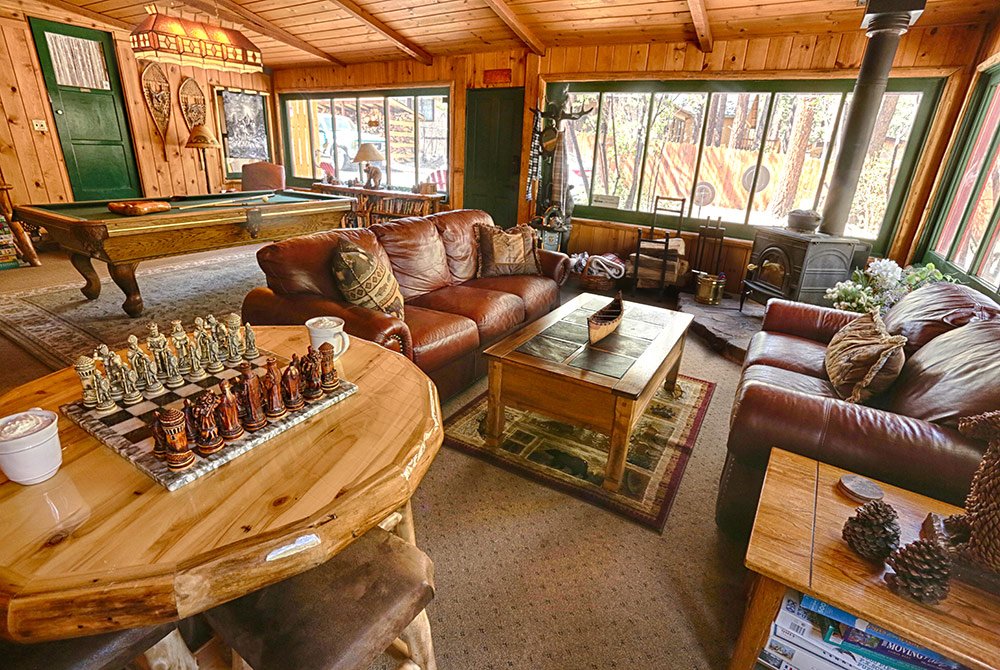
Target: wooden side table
[(796, 542)]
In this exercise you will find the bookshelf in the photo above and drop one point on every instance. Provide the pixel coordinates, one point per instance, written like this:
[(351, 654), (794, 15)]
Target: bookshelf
[(375, 206)]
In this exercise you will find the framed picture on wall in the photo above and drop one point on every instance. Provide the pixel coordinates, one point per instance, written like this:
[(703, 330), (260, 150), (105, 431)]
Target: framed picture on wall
[(243, 128)]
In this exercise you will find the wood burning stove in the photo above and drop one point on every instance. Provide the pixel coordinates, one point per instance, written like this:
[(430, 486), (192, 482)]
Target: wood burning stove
[(799, 266)]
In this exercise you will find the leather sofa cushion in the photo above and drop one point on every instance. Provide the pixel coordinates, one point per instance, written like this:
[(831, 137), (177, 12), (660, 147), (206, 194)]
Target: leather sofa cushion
[(953, 376), (538, 294), (507, 252), (788, 352), (303, 264), (936, 309), (438, 337), (366, 281), (417, 254), (494, 313), (863, 359), (788, 380), (458, 232)]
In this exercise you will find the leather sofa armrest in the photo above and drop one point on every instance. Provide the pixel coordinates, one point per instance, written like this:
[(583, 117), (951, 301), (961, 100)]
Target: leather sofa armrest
[(917, 455), (812, 322), (555, 265), (262, 306)]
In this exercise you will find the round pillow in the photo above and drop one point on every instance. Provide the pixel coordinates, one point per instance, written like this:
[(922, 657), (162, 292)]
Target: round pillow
[(936, 309), (954, 375)]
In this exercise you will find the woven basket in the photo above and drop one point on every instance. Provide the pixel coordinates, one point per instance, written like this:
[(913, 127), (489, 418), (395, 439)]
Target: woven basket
[(591, 282)]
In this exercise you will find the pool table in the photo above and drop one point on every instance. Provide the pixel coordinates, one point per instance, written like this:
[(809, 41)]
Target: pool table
[(88, 230)]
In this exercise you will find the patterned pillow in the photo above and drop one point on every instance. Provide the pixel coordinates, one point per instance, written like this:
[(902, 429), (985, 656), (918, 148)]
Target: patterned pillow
[(507, 252), (863, 359), (365, 280)]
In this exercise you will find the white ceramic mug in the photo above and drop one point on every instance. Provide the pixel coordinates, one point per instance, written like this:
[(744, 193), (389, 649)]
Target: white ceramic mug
[(328, 329), (30, 451)]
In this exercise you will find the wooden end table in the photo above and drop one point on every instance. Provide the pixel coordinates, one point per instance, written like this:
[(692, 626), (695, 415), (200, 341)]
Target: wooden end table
[(796, 542), (549, 367)]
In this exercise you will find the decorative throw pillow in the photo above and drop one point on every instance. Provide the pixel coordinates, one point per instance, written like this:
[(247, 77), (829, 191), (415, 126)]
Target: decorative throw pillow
[(863, 359), (507, 252), (365, 280)]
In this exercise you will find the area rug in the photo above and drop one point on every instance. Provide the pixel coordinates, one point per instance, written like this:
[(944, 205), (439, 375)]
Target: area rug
[(571, 458), (57, 324)]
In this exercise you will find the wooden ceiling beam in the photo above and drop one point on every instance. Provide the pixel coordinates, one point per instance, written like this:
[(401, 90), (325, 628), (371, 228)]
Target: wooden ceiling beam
[(89, 14), (230, 11), (401, 43), (515, 23), (699, 16)]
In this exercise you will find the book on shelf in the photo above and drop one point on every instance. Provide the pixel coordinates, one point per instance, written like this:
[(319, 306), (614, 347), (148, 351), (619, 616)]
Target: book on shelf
[(889, 653)]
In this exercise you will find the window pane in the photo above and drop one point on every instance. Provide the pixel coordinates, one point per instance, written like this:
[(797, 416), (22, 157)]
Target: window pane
[(675, 131), (979, 218), (402, 143), (619, 149), (299, 142), (77, 61), (322, 138), (346, 133), (970, 175), (580, 135), (432, 129), (989, 269), (732, 138), (371, 115), (798, 140)]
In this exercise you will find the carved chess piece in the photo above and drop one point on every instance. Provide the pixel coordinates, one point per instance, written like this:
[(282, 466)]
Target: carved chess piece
[(328, 368), (130, 391), (85, 369), (233, 353), (159, 439), (173, 377), (290, 391), (233, 323), (189, 422), (312, 375), (200, 336), (179, 454), (102, 353), (156, 342), (137, 360), (214, 359), (209, 439), (102, 391), (115, 368), (250, 351), (255, 418), (212, 325), (274, 404), (182, 345), (228, 413), (197, 371)]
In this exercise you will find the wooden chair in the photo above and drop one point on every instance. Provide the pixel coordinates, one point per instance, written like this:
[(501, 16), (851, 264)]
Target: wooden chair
[(262, 176), (367, 600), (649, 245), (108, 651)]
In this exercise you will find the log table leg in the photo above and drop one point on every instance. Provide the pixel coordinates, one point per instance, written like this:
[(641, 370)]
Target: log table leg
[(762, 608), (670, 383), (417, 635), (124, 276), (621, 431), (83, 265), (23, 243), (494, 406)]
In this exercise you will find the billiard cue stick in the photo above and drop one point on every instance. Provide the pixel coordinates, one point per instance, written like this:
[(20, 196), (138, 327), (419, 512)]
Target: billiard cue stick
[(234, 201)]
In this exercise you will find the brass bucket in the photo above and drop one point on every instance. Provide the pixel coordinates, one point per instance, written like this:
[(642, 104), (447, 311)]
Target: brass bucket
[(710, 289)]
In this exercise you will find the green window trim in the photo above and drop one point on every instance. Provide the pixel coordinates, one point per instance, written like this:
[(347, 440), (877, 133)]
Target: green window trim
[(348, 94), (929, 88)]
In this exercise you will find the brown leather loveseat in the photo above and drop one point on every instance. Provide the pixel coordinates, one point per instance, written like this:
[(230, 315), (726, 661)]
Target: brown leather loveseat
[(907, 436), (450, 316)]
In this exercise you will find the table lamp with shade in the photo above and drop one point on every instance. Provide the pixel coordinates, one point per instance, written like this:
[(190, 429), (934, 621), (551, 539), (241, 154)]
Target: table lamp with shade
[(201, 138), (367, 153)]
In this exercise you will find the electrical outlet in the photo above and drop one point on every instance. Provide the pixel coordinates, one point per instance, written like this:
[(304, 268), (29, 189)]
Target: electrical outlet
[(41, 125)]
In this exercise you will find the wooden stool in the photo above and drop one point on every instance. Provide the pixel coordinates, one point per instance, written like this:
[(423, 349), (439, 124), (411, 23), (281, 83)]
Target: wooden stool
[(108, 651), (341, 615)]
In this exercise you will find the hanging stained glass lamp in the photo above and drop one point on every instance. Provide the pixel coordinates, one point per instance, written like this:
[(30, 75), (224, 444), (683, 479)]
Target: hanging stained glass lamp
[(172, 39)]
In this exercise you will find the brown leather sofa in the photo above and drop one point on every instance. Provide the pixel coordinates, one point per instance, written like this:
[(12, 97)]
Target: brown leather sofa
[(450, 316), (908, 436)]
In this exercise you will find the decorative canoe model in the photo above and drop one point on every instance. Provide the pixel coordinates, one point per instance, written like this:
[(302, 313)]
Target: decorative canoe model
[(606, 320)]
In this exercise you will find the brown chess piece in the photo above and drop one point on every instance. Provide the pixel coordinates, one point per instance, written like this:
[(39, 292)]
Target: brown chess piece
[(228, 413), (179, 455), (328, 368), (192, 434), (290, 380), (255, 418), (209, 440), (159, 439), (274, 404), (312, 375)]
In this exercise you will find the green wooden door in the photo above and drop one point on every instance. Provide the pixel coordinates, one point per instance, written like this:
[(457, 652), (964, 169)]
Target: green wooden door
[(81, 76), (493, 152)]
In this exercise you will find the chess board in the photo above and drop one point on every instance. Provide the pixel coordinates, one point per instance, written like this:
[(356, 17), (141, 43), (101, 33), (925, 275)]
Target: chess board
[(128, 431)]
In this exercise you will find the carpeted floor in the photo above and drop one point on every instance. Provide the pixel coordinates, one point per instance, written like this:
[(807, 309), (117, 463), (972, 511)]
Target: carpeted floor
[(530, 578)]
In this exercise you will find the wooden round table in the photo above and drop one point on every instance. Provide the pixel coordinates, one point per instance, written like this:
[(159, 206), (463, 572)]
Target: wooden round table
[(101, 546)]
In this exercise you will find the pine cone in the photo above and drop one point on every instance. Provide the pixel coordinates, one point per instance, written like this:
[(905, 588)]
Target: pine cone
[(873, 532), (983, 510), (923, 569)]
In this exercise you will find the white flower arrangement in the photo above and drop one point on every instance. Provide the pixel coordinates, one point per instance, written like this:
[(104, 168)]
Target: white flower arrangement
[(881, 285)]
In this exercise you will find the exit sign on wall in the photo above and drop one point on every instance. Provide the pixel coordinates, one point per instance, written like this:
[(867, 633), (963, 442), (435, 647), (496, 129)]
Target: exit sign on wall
[(493, 77)]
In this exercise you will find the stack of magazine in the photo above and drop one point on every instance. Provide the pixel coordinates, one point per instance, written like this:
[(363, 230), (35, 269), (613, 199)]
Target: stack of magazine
[(809, 634)]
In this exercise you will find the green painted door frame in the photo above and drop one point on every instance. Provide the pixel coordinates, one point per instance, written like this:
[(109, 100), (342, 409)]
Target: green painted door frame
[(494, 118), (91, 124)]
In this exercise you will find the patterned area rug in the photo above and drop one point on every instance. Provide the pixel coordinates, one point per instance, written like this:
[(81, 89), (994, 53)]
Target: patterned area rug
[(57, 324), (571, 459)]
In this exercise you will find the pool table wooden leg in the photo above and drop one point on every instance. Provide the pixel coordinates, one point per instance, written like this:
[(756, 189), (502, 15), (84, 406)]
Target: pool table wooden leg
[(124, 276), (92, 289)]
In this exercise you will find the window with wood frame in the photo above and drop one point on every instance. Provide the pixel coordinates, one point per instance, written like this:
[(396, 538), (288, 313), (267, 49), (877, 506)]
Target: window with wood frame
[(745, 152), (323, 132)]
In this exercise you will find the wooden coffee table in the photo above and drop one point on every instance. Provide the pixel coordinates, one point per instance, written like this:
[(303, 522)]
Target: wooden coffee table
[(796, 542), (549, 367)]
